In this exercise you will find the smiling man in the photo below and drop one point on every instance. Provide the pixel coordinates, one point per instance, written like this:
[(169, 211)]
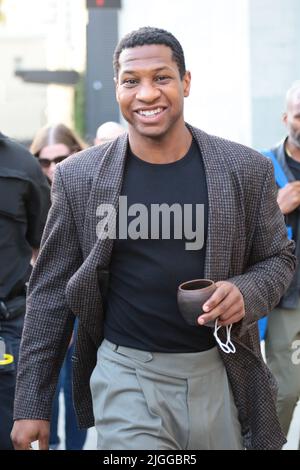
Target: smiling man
[(146, 378)]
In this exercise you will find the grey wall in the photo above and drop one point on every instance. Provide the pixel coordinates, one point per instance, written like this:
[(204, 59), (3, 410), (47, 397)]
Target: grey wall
[(275, 64)]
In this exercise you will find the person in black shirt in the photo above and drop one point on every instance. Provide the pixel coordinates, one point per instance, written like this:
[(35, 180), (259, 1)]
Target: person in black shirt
[(188, 204), (283, 333), (24, 205)]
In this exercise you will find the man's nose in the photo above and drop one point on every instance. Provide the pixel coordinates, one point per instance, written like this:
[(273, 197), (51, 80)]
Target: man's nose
[(147, 92)]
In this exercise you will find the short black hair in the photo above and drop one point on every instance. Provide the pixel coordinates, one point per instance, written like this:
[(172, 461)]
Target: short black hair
[(148, 36)]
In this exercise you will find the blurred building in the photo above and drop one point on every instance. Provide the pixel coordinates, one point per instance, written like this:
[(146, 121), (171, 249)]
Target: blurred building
[(274, 27), (39, 35), (243, 55)]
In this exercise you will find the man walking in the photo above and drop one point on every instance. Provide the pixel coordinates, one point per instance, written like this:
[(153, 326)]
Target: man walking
[(283, 333), (24, 204), (158, 383)]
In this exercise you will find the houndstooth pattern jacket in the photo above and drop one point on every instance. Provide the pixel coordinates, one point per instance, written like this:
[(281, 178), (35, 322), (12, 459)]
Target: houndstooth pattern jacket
[(246, 244)]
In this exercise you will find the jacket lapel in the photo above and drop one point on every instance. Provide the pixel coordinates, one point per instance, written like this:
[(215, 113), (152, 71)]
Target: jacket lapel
[(106, 188), (221, 214)]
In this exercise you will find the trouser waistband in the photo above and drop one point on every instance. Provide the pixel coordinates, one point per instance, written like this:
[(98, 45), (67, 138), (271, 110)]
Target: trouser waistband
[(181, 365)]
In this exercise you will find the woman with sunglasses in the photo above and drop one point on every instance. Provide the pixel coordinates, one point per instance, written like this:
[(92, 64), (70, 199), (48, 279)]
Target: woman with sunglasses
[(51, 145)]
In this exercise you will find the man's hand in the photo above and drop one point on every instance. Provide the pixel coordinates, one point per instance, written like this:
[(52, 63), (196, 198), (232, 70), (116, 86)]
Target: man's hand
[(226, 304), (288, 198), (26, 431)]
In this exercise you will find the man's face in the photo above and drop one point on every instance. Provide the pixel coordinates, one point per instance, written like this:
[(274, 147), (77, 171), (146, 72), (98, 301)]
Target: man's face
[(150, 91), (292, 121)]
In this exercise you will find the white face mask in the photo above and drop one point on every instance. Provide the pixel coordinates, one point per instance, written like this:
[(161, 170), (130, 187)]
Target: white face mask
[(227, 347), (2, 349)]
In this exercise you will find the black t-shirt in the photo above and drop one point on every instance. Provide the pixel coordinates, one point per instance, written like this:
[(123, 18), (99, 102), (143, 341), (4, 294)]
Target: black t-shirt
[(141, 308), (24, 205)]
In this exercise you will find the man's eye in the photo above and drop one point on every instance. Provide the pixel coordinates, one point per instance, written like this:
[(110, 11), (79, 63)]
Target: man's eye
[(162, 78), (130, 82)]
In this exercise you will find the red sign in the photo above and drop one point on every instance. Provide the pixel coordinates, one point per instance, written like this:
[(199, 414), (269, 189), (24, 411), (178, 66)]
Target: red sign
[(103, 3)]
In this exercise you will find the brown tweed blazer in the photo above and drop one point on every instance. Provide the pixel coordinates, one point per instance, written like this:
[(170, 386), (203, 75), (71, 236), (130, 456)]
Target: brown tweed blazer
[(246, 244)]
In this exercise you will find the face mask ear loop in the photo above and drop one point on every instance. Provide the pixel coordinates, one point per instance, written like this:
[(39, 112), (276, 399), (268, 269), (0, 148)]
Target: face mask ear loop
[(229, 343), (227, 347)]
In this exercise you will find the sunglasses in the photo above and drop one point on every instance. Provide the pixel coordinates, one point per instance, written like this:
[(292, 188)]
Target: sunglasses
[(45, 162)]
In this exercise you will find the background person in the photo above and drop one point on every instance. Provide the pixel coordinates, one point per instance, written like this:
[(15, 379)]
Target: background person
[(108, 131), (24, 204), (52, 144), (284, 322)]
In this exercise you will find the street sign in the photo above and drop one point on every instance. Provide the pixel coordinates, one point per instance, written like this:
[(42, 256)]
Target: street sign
[(59, 77)]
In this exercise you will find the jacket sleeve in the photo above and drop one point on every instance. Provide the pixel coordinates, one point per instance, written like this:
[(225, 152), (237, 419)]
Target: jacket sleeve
[(49, 322), (37, 206), (271, 264)]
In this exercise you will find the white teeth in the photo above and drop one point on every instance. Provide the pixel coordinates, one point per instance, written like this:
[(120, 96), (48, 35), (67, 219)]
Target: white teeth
[(150, 113)]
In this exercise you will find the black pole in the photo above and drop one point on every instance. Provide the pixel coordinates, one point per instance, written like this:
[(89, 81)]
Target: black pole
[(102, 38)]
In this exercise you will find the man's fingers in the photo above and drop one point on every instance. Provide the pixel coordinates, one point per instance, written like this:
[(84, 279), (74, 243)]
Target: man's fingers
[(43, 443), (294, 184), (26, 431), (233, 318), (226, 303), (227, 313), (21, 444), (217, 297)]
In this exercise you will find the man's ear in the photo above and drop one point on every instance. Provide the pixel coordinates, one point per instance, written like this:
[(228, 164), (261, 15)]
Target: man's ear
[(186, 83), (284, 118), (116, 89)]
